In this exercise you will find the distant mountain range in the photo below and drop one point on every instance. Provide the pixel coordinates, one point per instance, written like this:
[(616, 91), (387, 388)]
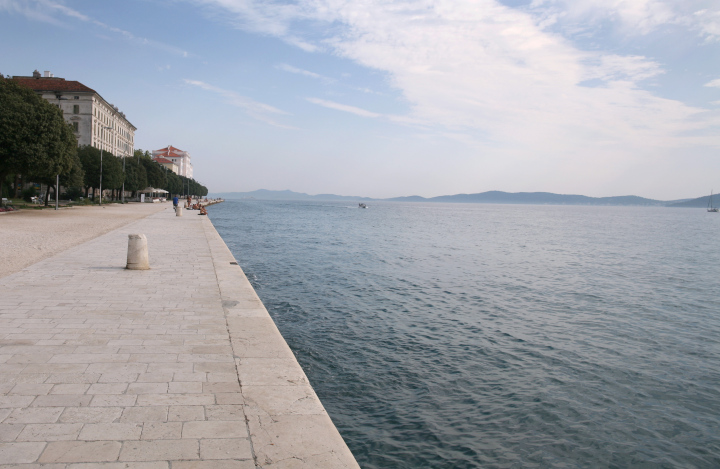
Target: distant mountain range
[(490, 197), (700, 202)]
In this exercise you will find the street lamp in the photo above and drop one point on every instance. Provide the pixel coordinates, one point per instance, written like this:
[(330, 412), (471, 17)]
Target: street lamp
[(101, 151), (57, 177), (123, 188)]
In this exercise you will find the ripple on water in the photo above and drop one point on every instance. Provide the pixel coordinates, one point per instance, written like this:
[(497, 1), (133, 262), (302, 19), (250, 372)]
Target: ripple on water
[(463, 336)]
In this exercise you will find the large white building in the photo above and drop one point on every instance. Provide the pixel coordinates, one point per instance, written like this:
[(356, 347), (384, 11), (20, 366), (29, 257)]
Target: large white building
[(95, 121), (178, 157)]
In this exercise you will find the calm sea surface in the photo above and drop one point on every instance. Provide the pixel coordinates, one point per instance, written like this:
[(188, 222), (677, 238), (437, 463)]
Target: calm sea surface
[(472, 335)]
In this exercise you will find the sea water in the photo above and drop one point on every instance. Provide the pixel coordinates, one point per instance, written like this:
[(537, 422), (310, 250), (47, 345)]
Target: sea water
[(472, 335)]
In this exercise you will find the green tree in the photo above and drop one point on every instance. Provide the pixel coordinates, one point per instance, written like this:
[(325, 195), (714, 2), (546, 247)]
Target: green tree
[(112, 173), (156, 174), (174, 183), (160, 177), (197, 188), (135, 175), (192, 187), (35, 140), (74, 177), (61, 148), (90, 160)]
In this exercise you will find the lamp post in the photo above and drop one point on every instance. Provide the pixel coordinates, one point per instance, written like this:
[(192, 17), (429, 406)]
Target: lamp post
[(101, 176), (57, 177), (123, 187), (101, 172)]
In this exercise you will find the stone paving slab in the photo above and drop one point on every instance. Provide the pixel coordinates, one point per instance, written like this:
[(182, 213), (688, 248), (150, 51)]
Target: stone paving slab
[(179, 366)]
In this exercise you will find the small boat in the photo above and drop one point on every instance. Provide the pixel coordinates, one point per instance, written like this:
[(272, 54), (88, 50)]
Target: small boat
[(365, 206), (710, 207)]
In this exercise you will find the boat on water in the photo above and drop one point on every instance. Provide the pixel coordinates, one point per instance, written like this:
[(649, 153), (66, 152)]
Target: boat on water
[(710, 207), (365, 206)]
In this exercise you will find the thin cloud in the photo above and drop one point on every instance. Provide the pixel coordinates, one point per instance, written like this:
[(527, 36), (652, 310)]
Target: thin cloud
[(510, 83), (343, 107), (630, 17), (47, 11), (707, 21), (617, 68), (366, 90), (29, 10), (480, 66), (256, 110), (307, 73), (714, 83), (271, 18)]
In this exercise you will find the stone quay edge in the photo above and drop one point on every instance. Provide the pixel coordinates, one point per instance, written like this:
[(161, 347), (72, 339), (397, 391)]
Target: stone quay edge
[(179, 366)]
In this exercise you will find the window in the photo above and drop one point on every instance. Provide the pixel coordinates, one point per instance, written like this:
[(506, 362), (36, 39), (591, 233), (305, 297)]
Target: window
[(75, 126), (76, 109), (77, 97)]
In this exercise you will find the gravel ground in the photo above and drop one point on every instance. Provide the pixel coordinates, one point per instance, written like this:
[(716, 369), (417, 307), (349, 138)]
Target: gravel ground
[(29, 236)]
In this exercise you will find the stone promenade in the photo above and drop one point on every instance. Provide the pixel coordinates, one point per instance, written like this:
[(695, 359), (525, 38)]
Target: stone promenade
[(176, 367)]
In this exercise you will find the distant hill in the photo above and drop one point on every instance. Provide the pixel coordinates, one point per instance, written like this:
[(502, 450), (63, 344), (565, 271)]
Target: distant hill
[(700, 202), (490, 197), (498, 197)]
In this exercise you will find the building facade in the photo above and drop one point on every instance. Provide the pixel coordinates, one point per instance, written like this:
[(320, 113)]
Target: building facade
[(95, 121), (178, 157), (167, 164)]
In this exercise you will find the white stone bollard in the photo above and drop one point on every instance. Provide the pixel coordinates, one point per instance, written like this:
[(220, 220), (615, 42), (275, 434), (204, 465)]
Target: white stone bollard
[(137, 256), (178, 211)]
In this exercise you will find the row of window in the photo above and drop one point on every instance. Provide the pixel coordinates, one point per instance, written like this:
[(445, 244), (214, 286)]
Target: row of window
[(123, 136)]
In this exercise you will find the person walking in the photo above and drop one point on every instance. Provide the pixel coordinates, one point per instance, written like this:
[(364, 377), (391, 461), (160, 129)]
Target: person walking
[(176, 201)]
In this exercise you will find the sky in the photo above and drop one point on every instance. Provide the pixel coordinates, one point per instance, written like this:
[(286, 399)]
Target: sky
[(385, 98)]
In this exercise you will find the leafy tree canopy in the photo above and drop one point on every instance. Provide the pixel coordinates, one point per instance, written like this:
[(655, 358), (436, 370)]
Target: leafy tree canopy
[(156, 174), (112, 171), (135, 175), (34, 138)]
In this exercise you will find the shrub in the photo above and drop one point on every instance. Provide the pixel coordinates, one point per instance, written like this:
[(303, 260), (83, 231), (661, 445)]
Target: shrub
[(72, 193), (28, 193)]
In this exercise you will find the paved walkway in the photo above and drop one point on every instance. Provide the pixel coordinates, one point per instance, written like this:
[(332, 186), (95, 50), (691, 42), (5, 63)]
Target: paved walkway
[(176, 367)]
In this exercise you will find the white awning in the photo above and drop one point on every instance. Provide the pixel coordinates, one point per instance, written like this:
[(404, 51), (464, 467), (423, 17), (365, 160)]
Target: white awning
[(152, 190)]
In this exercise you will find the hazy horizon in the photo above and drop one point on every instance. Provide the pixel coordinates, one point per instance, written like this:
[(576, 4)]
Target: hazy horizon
[(395, 97), (317, 193)]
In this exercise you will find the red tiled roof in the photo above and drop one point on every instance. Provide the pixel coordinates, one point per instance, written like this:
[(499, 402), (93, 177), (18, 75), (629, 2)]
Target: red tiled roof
[(52, 84), (163, 160), (167, 149)]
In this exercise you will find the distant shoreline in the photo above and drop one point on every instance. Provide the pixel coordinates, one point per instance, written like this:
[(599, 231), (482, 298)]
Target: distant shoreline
[(490, 197)]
